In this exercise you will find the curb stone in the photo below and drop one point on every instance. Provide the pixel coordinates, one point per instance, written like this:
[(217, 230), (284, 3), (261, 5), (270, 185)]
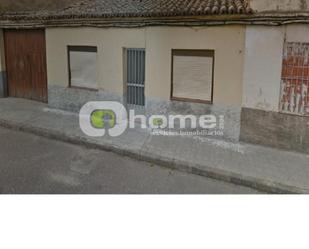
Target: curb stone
[(180, 165)]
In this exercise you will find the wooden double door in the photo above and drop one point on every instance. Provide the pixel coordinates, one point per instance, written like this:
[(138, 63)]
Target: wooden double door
[(25, 53)]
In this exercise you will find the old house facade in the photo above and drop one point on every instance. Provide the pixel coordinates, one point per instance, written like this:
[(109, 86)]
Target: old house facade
[(275, 101), (246, 60)]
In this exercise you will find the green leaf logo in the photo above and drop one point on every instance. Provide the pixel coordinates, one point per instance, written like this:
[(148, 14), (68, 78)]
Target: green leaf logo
[(158, 122), (101, 119)]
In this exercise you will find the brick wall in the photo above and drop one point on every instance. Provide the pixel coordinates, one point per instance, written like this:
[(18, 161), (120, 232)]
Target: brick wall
[(295, 79)]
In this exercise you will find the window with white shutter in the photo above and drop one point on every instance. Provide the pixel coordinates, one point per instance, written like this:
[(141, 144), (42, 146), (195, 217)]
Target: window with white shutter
[(83, 66), (192, 75)]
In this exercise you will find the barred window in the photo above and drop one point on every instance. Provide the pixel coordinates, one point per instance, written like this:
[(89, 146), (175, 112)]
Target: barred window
[(135, 76)]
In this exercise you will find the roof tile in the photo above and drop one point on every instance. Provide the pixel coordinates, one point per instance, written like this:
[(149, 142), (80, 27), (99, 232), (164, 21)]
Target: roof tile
[(143, 8)]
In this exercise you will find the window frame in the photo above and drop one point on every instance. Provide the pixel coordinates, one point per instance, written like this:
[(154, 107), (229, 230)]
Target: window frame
[(285, 68), (193, 52), (77, 48)]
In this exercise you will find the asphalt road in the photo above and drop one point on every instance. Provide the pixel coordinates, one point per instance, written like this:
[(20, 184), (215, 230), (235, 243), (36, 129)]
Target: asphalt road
[(31, 164)]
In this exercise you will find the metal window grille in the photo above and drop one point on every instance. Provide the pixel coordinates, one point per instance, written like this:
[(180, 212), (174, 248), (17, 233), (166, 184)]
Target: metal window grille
[(136, 76), (295, 79)]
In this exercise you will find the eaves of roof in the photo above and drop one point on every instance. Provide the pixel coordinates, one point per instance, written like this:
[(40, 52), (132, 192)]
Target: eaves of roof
[(24, 20)]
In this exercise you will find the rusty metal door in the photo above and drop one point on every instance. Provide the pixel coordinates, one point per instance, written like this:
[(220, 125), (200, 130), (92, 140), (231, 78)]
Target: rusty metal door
[(25, 52)]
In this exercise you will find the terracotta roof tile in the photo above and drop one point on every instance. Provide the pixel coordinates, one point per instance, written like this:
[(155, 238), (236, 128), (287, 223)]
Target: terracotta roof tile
[(162, 7), (142, 8)]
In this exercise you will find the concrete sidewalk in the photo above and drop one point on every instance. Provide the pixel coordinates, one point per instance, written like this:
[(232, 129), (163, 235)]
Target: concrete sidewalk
[(262, 168)]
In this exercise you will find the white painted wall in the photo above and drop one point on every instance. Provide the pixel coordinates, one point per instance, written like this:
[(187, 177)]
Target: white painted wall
[(297, 33), (279, 5), (263, 63), (227, 41), (262, 67), (110, 44)]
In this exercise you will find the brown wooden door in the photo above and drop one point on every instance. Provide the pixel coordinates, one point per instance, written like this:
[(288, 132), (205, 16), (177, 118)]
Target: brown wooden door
[(26, 64)]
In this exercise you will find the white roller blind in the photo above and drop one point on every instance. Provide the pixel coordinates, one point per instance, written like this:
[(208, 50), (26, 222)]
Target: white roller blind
[(83, 69), (192, 77)]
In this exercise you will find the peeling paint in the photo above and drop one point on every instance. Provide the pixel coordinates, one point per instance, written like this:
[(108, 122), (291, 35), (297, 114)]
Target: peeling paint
[(295, 79)]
